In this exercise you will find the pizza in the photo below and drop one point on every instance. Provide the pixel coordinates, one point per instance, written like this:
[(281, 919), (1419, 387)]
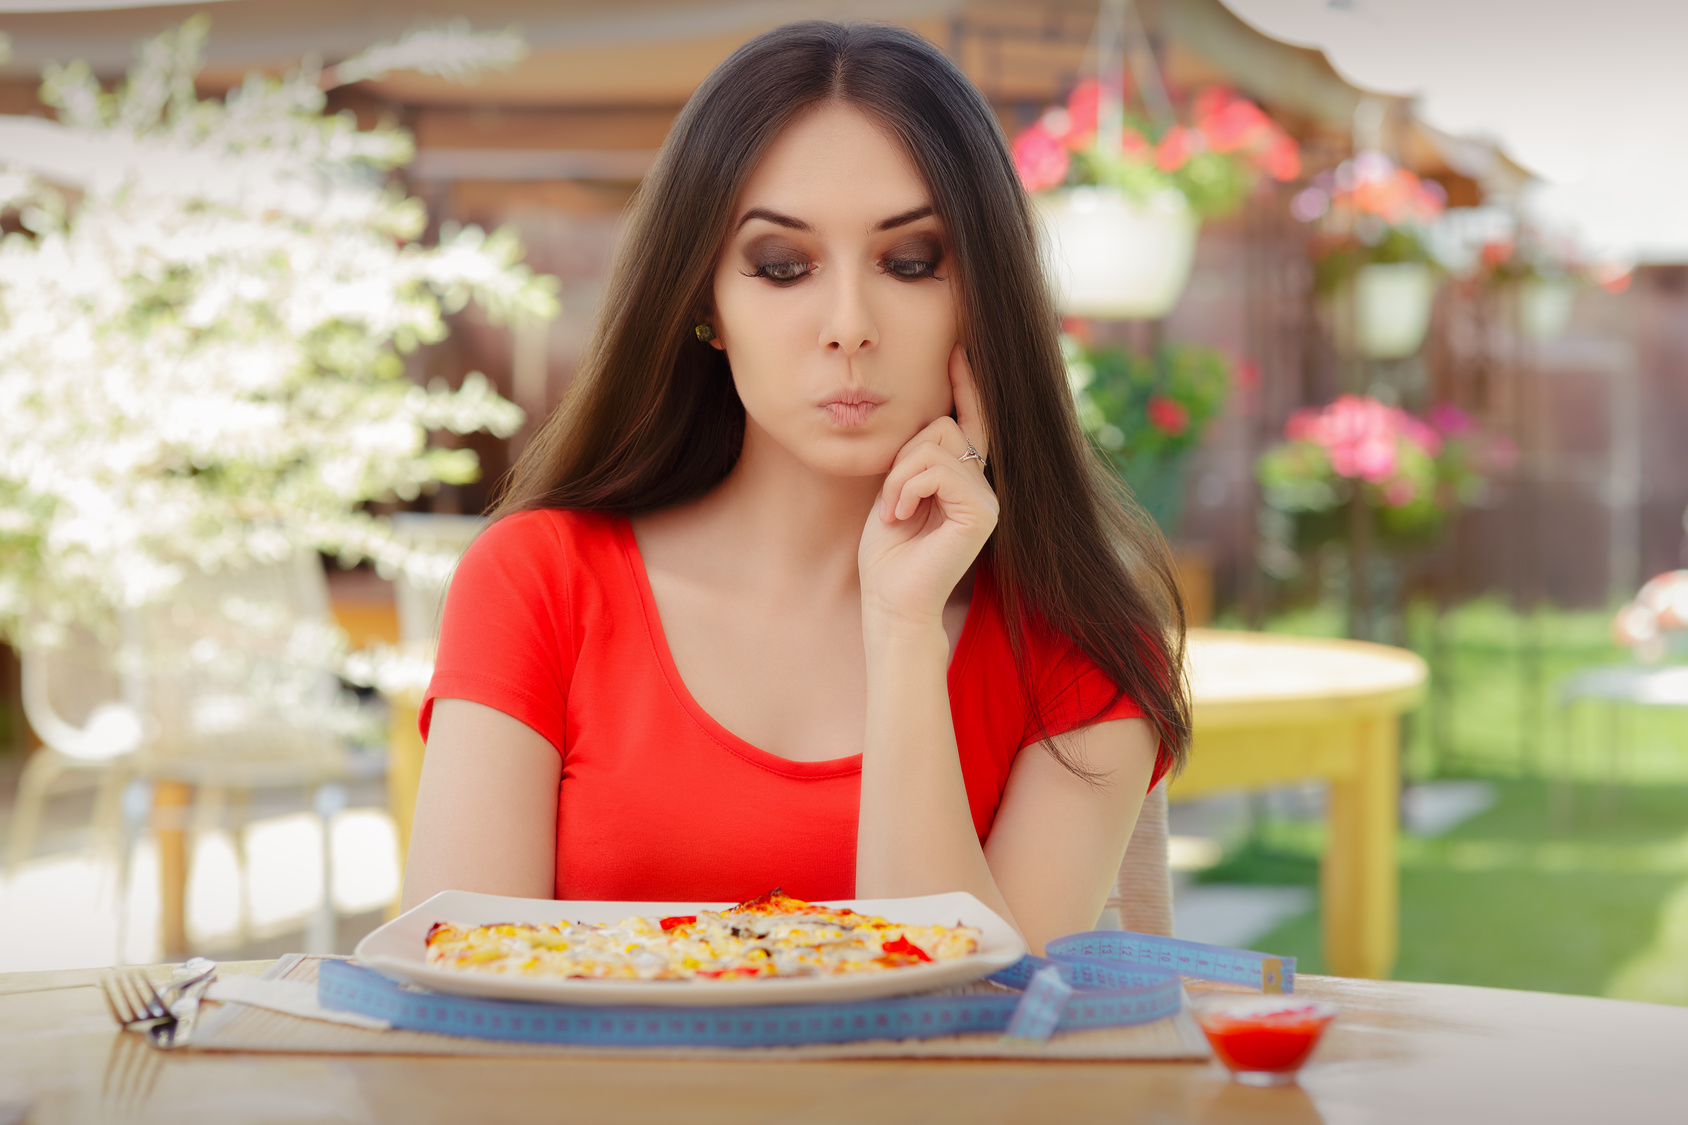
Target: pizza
[(772, 936)]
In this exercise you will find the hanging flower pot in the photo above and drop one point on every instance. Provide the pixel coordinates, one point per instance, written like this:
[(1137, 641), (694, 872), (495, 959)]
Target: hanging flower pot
[(1544, 307), (1537, 279), (1392, 303), (1383, 311), (1372, 267), (1111, 256), (1121, 195)]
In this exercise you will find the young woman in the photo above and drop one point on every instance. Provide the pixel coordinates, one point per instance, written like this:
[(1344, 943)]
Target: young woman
[(812, 581)]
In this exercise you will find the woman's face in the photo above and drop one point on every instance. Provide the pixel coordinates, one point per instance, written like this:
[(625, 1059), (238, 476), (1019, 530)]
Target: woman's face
[(833, 299)]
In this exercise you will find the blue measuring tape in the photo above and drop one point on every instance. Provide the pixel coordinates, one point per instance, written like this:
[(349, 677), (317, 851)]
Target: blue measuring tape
[(1186, 958), (1106, 979)]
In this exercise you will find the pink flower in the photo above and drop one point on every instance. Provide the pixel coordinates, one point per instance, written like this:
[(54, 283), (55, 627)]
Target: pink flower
[(1503, 454), (1168, 415), (1449, 420), (1358, 435), (1040, 158), (1399, 492), (1419, 434)]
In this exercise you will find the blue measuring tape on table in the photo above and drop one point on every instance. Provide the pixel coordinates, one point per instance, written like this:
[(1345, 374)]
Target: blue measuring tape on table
[(1108, 978)]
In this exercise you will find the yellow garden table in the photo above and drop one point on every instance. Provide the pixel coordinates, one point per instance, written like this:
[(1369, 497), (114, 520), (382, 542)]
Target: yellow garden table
[(1273, 710)]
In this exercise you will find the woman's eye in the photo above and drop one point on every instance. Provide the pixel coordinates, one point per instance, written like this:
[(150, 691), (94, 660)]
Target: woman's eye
[(784, 272), (910, 268)]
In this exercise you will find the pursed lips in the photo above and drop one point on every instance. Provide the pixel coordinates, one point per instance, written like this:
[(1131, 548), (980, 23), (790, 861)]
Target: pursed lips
[(852, 407)]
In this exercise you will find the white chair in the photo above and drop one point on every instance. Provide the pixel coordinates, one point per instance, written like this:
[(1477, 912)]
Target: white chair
[(75, 702), (235, 676), (1143, 893), (1620, 687)]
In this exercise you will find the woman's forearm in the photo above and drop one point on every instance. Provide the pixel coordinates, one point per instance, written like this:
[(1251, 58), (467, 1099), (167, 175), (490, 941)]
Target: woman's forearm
[(915, 833)]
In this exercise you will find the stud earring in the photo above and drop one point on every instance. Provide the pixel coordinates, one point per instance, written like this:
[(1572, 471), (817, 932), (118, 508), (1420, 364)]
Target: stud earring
[(704, 332)]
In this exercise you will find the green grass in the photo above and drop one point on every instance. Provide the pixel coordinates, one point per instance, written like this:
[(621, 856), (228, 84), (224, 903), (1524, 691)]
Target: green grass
[(1595, 906), (1492, 710)]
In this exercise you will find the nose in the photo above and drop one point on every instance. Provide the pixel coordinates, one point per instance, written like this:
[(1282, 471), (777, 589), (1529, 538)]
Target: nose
[(849, 325)]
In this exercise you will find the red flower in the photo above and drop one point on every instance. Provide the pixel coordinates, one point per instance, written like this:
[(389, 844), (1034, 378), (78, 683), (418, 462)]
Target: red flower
[(1208, 103), (1084, 107), (1176, 148), (1168, 415), (1282, 158), (1494, 253), (1040, 158), (1237, 124), (1134, 144)]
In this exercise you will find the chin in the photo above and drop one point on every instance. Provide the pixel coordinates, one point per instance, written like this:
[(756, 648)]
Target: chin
[(851, 457)]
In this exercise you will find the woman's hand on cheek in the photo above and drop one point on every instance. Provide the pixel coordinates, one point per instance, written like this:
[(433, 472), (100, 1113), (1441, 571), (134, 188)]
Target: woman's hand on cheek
[(934, 513)]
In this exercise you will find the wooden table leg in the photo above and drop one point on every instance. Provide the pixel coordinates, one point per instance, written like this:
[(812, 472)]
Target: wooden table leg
[(404, 778), (1359, 877), (170, 803)]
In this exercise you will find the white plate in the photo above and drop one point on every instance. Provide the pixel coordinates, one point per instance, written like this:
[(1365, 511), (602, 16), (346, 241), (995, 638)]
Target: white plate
[(398, 949)]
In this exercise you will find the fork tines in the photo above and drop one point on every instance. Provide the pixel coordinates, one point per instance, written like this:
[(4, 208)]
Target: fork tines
[(132, 999)]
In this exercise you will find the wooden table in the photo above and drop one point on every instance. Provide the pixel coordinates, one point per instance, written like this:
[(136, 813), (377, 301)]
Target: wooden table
[(1272, 710), (1398, 1053)]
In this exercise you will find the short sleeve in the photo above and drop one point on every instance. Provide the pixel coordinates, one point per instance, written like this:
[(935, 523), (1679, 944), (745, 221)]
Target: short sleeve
[(1072, 692), (506, 637)]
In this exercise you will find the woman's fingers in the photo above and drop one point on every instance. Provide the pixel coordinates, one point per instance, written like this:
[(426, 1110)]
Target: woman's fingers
[(900, 496), (944, 433), (944, 483), (966, 395), (916, 457)]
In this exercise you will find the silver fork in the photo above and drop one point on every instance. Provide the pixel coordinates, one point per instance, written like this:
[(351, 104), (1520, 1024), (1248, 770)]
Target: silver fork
[(137, 1005)]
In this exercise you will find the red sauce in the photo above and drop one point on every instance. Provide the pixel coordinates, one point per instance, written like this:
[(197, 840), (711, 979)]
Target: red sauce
[(1264, 1043)]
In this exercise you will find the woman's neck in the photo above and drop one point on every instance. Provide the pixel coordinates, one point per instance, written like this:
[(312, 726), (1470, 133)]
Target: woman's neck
[(784, 521)]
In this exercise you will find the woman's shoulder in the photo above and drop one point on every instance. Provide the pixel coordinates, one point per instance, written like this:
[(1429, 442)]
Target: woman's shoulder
[(542, 550), (542, 532)]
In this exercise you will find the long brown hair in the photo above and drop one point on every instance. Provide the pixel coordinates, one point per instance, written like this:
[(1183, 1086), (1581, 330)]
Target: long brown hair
[(652, 418)]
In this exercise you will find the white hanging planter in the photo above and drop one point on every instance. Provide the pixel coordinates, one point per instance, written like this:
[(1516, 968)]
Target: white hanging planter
[(1389, 312), (1113, 257), (1544, 307)]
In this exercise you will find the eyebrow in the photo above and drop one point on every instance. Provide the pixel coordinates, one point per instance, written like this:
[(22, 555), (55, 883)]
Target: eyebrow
[(769, 216), (905, 218), (774, 217)]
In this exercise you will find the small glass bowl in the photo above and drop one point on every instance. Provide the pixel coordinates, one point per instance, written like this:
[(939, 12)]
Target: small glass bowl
[(1262, 1040)]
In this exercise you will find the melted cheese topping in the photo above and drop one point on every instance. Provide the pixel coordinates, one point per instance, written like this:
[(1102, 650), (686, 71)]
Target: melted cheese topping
[(772, 936)]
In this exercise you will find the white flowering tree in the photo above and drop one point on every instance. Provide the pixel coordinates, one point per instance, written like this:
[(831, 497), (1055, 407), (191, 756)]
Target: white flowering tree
[(205, 305)]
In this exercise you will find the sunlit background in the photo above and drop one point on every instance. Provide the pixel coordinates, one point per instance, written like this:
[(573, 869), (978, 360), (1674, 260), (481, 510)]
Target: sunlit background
[(1376, 305)]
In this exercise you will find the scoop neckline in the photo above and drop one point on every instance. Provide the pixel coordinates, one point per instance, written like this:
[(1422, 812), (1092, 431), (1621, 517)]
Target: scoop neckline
[(823, 768)]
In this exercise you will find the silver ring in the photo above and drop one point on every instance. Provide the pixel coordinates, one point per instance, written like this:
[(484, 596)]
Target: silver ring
[(973, 455)]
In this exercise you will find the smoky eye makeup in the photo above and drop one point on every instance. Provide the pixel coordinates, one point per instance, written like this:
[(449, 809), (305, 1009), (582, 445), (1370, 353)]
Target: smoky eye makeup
[(914, 259), (777, 261)]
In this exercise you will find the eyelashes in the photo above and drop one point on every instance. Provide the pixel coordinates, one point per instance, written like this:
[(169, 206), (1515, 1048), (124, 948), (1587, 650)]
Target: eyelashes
[(790, 271), (911, 269), (783, 273)]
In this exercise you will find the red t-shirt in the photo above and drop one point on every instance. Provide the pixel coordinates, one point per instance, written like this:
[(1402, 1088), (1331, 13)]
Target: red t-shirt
[(550, 619)]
